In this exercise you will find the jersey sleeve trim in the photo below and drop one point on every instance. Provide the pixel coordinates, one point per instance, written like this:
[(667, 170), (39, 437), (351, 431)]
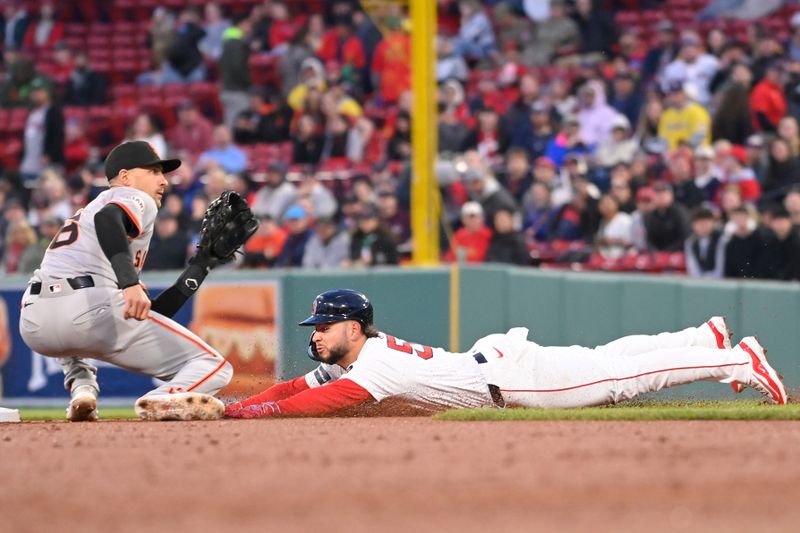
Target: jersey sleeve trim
[(130, 216)]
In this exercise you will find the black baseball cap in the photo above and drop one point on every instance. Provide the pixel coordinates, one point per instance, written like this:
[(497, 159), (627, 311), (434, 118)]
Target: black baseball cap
[(136, 154)]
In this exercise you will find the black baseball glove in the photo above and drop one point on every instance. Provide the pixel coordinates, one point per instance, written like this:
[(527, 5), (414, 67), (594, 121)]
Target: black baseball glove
[(227, 225)]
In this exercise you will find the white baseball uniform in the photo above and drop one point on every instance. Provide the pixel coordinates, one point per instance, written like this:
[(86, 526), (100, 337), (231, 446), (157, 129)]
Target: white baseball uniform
[(529, 375), (68, 319)]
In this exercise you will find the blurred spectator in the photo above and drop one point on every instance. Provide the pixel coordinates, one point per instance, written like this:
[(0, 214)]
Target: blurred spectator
[(160, 35), (358, 139), (621, 188), (667, 225), (50, 198), (558, 35), (686, 191), (263, 248), (732, 119), (542, 125), (76, 145), (757, 156), (267, 119), (193, 133), (626, 97), (144, 128), (328, 248), (61, 66), (568, 141), (299, 232), (17, 19), (780, 256), (619, 147), (307, 142), (32, 256), (705, 247), (449, 65), (277, 194), (767, 102), (692, 66), (46, 31), (312, 78), (297, 51), (665, 50), (372, 244), (517, 177), (20, 241), (234, 69), (706, 175), (792, 204), (614, 236), (486, 190), (84, 86), (486, 136), (538, 213), (596, 29), (735, 172), (168, 246), (334, 144), (395, 219), (214, 25), (44, 133), (511, 28), (744, 246), (507, 245), (684, 121), (341, 45), (516, 123), (471, 241), (476, 38), (595, 116), (321, 201), (224, 153), (184, 62), (783, 172), (644, 205), (18, 81), (399, 146), (789, 132)]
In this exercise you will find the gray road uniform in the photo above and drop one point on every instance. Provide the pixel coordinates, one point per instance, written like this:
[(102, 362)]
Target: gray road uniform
[(74, 308)]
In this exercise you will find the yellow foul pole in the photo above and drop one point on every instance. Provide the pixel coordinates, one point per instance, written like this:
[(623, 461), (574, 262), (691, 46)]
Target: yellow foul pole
[(425, 200)]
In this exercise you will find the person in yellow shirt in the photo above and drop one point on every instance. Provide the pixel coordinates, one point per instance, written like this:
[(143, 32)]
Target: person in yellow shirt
[(684, 121)]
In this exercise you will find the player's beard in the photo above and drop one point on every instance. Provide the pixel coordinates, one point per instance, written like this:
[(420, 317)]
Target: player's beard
[(335, 354)]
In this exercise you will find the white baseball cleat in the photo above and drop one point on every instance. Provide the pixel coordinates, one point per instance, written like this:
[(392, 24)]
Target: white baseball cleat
[(82, 404), (764, 379), (179, 406), (720, 334)]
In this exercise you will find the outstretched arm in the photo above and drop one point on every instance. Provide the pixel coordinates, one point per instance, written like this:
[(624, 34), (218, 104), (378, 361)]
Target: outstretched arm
[(318, 401)]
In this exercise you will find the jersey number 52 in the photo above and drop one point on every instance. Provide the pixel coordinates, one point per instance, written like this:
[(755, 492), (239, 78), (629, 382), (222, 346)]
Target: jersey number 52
[(425, 352)]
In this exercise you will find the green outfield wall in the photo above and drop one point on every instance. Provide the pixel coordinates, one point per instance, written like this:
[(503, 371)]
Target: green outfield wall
[(559, 307)]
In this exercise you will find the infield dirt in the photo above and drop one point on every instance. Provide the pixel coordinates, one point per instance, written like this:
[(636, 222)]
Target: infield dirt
[(399, 474)]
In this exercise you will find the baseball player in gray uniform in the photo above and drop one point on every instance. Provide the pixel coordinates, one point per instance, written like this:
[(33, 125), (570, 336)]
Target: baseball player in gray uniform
[(86, 300)]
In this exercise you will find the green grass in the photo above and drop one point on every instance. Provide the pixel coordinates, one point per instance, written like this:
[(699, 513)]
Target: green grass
[(28, 414), (661, 410)]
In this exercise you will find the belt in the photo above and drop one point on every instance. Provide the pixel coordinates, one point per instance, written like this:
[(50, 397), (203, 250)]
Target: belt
[(494, 390), (81, 282)]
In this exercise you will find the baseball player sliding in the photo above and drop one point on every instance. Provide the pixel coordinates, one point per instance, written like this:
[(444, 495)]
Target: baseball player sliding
[(86, 300), (359, 364)]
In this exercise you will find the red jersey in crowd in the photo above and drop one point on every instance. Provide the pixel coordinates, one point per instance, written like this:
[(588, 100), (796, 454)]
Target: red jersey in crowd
[(474, 244), (392, 63)]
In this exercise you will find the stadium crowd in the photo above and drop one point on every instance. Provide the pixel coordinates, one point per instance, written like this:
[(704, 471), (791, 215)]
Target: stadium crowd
[(612, 135)]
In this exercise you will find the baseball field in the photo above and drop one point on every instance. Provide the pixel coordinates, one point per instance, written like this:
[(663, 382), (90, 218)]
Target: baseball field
[(667, 466)]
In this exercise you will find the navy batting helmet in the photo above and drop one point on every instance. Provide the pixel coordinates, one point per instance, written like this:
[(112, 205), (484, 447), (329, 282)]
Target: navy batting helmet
[(338, 305)]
